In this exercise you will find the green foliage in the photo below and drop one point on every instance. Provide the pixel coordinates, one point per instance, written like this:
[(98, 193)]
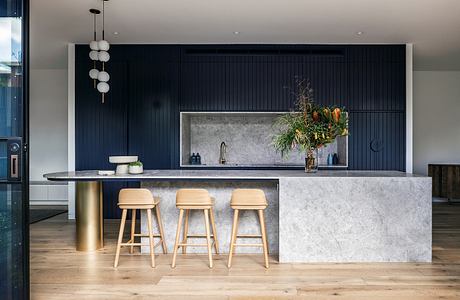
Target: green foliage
[(311, 126), (135, 164)]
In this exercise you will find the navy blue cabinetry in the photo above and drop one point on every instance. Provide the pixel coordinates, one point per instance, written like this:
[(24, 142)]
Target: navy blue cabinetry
[(151, 84)]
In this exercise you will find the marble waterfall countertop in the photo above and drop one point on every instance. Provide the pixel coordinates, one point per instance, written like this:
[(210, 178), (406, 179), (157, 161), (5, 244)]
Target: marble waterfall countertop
[(328, 216), (219, 174)]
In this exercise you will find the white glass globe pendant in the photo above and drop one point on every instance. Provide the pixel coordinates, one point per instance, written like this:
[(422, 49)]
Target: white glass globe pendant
[(94, 73), (94, 55), (94, 45), (103, 76), (103, 45), (103, 56), (103, 87)]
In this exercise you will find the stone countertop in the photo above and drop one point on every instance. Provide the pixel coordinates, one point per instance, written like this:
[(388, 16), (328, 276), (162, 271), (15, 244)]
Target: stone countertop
[(219, 175), (259, 166)]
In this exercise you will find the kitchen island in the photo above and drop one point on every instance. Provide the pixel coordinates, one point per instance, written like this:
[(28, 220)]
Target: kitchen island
[(328, 216)]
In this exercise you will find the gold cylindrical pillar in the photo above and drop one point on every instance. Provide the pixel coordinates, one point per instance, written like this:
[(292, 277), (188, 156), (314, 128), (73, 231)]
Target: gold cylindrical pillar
[(89, 216)]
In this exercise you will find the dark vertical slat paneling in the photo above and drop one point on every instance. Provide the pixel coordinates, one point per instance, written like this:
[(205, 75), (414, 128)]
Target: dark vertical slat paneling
[(100, 129), (384, 127), (257, 83), (151, 99), (151, 84)]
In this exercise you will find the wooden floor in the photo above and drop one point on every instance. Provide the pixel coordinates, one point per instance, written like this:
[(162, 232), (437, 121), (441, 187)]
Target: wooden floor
[(59, 272)]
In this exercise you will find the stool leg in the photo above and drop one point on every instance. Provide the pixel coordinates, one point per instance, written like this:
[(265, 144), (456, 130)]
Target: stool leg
[(160, 227), (133, 228), (149, 220), (264, 236), (179, 225), (208, 236), (234, 234), (268, 250), (120, 236), (185, 235), (214, 231)]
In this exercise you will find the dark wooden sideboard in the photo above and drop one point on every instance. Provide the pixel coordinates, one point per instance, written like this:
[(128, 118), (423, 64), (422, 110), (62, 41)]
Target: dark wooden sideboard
[(446, 180)]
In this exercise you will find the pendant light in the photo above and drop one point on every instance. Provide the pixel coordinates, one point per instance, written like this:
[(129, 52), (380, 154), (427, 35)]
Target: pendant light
[(103, 56), (94, 46)]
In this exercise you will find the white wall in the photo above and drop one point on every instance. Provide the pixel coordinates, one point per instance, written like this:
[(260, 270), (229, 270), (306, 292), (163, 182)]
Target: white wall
[(436, 118), (48, 122), (48, 134)]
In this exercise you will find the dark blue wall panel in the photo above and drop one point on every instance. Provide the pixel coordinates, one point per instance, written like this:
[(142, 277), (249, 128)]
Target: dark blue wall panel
[(259, 82), (152, 111), (101, 129), (377, 142), (151, 84)]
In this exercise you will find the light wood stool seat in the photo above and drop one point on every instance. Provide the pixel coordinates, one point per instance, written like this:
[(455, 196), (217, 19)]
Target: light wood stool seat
[(248, 199), (138, 199), (195, 199)]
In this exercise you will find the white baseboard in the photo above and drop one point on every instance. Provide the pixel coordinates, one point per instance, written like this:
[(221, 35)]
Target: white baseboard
[(47, 193)]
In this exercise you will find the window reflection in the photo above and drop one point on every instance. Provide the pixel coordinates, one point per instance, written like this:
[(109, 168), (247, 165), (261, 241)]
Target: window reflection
[(10, 76), (10, 51)]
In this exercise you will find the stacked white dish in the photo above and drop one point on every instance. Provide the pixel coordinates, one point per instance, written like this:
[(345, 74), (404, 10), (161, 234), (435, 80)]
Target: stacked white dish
[(122, 163)]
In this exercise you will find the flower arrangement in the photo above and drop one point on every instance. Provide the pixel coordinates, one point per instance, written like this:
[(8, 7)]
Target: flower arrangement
[(309, 127)]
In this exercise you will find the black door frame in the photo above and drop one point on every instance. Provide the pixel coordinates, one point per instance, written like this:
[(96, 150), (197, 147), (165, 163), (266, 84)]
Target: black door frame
[(21, 9), (25, 152)]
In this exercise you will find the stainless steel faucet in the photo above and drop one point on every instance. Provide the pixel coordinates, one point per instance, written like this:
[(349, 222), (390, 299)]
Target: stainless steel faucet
[(222, 153)]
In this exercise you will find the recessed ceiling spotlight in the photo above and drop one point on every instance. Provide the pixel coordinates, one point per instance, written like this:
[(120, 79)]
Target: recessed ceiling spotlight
[(115, 32), (236, 32), (359, 33)]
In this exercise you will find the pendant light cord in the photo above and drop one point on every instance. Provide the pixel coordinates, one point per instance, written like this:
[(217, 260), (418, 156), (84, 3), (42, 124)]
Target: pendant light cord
[(94, 27), (103, 19)]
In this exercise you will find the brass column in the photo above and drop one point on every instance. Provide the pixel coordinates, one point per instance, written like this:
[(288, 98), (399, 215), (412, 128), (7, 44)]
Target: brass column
[(89, 216)]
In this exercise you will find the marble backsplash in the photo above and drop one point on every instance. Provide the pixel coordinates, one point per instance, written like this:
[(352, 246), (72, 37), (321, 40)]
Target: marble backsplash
[(249, 140)]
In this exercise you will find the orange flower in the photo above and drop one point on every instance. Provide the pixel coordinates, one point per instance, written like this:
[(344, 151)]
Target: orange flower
[(315, 116), (336, 114)]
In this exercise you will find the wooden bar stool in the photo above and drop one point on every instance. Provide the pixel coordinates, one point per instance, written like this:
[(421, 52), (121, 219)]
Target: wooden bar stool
[(248, 199), (195, 199), (138, 199)]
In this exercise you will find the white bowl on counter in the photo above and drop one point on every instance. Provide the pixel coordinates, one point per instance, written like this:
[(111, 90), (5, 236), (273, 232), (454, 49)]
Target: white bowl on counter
[(106, 173), (136, 169), (122, 163), (122, 159)]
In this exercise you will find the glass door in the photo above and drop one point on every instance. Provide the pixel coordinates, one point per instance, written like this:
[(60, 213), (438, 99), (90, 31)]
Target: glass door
[(14, 202)]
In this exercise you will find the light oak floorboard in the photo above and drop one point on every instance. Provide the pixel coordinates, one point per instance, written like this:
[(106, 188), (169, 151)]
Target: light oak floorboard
[(58, 271)]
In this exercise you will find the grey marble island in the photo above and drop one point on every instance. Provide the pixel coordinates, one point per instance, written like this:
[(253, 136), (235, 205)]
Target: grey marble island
[(328, 216)]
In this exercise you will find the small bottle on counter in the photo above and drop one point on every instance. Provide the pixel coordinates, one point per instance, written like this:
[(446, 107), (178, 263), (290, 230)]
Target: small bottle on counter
[(198, 159), (193, 159), (329, 159), (335, 159)]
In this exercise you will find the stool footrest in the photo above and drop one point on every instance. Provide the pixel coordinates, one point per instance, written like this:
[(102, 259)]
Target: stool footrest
[(155, 237), (249, 236), (133, 244), (146, 235), (198, 235), (192, 245), (139, 244), (248, 245)]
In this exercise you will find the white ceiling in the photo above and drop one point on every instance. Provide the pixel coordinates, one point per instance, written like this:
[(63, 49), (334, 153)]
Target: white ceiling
[(433, 26)]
